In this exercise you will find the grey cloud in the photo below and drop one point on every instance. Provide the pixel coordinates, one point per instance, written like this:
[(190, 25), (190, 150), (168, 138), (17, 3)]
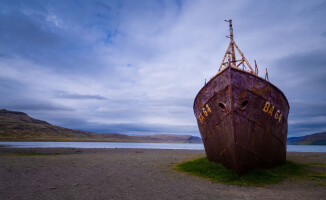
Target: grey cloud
[(308, 109), (125, 128), (66, 95), (10, 87), (302, 61), (5, 55), (307, 70), (175, 102), (21, 33), (35, 106), (323, 34), (302, 76), (15, 95), (29, 31), (306, 128), (74, 122)]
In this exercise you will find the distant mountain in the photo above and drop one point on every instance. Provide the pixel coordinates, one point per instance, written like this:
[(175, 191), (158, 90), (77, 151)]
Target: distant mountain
[(170, 138), (314, 139), (18, 126)]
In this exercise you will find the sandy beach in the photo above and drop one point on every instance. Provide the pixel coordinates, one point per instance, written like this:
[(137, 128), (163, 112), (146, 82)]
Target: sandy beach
[(129, 174)]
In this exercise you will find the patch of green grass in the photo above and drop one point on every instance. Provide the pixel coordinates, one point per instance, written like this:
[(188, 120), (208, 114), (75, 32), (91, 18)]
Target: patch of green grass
[(317, 165), (319, 177), (35, 154), (258, 177), (317, 173)]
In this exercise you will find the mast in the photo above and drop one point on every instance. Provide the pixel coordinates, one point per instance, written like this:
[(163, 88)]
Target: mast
[(231, 52), (233, 60)]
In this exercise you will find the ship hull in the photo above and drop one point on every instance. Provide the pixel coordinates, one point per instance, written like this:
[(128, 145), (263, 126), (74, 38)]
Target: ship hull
[(242, 119)]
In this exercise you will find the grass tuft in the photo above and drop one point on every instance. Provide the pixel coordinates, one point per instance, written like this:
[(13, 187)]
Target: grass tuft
[(258, 177)]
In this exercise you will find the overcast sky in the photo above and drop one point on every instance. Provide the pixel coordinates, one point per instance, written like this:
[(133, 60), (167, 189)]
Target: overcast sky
[(135, 67)]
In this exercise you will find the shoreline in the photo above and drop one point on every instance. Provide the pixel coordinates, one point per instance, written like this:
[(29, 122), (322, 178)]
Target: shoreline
[(14, 140), (150, 142), (131, 145)]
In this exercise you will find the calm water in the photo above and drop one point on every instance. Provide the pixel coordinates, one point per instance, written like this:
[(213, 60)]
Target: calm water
[(103, 145), (290, 148)]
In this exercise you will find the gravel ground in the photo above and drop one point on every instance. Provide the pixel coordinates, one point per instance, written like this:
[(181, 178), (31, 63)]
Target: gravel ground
[(129, 174)]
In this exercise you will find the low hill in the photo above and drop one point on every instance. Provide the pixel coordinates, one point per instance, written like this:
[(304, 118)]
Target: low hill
[(313, 139), (18, 126), (170, 138)]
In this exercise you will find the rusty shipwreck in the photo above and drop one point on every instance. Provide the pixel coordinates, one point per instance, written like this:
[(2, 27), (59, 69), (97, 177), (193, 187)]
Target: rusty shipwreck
[(242, 117)]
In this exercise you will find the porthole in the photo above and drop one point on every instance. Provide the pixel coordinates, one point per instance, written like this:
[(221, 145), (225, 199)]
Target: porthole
[(244, 104), (222, 106)]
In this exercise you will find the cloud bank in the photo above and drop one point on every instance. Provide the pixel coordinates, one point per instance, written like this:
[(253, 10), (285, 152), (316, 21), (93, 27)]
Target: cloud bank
[(134, 67)]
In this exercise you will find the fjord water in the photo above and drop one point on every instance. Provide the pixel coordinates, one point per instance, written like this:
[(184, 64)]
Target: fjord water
[(190, 146), (127, 145)]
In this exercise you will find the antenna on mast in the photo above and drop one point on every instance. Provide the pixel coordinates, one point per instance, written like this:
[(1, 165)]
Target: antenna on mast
[(233, 60)]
